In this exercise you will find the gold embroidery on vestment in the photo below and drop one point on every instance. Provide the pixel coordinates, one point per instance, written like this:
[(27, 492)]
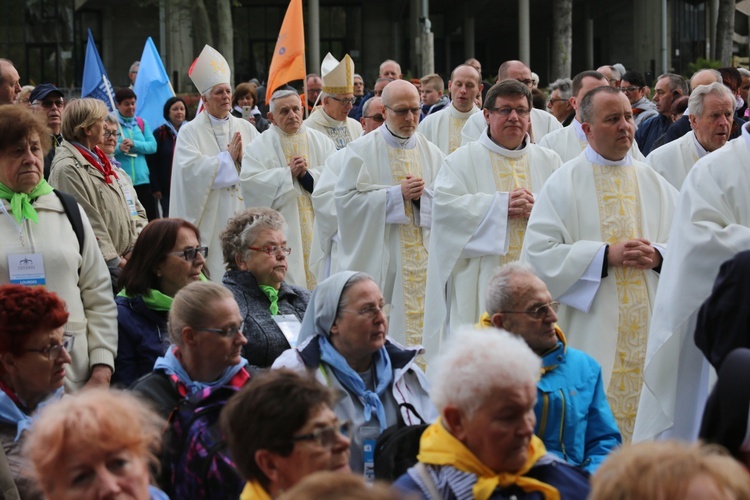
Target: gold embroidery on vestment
[(510, 174)]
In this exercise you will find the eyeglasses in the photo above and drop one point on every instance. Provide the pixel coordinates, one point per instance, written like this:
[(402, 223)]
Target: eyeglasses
[(190, 254), (403, 112), (377, 118), (526, 82), (229, 332), (60, 103), (108, 134), (326, 437), (632, 88), (344, 101), (272, 250), (505, 112), (52, 352), (540, 312), (372, 312)]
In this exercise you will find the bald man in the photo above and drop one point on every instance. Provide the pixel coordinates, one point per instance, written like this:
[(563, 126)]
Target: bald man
[(383, 202)]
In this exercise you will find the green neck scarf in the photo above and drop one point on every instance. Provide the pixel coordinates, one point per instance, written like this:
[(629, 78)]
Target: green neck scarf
[(273, 296), (154, 299), (20, 203)]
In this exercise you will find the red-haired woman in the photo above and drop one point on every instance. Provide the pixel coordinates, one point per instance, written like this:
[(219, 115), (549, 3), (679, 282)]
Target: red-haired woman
[(33, 352), (167, 256)]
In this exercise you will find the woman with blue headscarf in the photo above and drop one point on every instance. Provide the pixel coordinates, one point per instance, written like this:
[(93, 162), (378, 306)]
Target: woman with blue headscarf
[(343, 339)]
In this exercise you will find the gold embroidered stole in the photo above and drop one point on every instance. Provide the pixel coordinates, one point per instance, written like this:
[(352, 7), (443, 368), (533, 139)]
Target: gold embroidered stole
[(413, 251), (620, 219), (512, 173), (455, 125), (297, 145)]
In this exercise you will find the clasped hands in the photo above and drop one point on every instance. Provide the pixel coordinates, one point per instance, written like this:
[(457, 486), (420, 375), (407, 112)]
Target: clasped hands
[(520, 203), (638, 253), (298, 164), (412, 187)]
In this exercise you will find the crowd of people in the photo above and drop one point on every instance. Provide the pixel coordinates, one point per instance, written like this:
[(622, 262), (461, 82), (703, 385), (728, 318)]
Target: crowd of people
[(479, 290)]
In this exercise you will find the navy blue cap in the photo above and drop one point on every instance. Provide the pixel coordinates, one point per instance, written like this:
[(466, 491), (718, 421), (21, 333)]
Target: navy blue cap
[(43, 90)]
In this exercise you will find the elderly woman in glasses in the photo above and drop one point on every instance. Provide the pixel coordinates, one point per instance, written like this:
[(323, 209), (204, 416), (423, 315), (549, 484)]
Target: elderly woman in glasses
[(203, 366), (255, 252), (281, 428), (33, 352), (166, 257), (344, 342)]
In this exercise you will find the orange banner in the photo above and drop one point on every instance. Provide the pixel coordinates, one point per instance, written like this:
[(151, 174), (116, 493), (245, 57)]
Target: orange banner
[(288, 63)]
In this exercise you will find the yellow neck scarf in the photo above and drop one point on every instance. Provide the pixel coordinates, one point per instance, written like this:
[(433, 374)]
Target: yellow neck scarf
[(439, 447), (254, 491)]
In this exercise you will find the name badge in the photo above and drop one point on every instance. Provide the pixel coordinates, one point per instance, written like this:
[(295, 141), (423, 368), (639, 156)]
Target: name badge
[(289, 326), (128, 199), (369, 438), (26, 269)]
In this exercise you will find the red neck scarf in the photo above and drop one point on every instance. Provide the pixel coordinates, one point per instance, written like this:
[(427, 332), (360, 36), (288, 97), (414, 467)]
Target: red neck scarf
[(101, 163)]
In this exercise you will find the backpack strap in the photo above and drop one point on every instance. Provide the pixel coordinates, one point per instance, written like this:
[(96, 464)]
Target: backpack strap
[(426, 477), (139, 121), (409, 407), (70, 205)]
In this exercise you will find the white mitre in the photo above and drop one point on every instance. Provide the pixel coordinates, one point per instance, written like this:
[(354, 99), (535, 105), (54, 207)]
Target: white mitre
[(209, 69), (338, 77)]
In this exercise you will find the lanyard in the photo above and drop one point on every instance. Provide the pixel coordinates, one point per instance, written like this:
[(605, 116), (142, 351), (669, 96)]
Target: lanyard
[(13, 221)]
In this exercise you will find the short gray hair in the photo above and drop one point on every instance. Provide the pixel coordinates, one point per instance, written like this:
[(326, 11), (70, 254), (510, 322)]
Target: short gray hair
[(192, 305), (243, 229), (695, 102), (498, 294), (586, 108), (278, 95), (134, 66), (366, 105), (111, 118), (744, 72), (564, 86), (715, 73), (503, 360), (676, 82)]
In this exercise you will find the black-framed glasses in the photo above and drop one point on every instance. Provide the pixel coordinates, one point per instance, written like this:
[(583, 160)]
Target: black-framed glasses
[(190, 254), (344, 101), (53, 351), (272, 250), (109, 133), (372, 311), (60, 103), (403, 112), (377, 118), (229, 332), (540, 312), (326, 437), (506, 111), (632, 88)]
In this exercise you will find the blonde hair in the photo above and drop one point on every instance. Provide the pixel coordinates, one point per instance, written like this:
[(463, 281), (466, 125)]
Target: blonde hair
[(433, 81), (193, 306), (96, 420), (80, 114), (664, 469)]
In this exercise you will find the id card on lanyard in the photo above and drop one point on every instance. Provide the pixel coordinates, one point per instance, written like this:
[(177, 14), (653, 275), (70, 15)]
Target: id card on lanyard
[(129, 199)]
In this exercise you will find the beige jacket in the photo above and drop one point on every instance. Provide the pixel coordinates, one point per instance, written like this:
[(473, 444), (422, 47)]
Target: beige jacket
[(81, 280), (105, 204)]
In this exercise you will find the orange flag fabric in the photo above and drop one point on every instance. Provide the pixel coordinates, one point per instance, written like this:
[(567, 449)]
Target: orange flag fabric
[(288, 63)]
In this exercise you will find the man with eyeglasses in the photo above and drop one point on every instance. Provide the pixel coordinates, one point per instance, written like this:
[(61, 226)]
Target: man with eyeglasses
[(542, 123), (46, 99), (383, 207), (444, 127), (633, 85), (612, 75), (280, 171), (558, 104), (597, 238), (573, 417), (324, 252), (570, 141), (337, 99), (483, 198)]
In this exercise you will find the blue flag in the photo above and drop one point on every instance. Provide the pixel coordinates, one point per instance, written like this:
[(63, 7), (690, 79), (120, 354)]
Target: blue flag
[(95, 81), (152, 87)]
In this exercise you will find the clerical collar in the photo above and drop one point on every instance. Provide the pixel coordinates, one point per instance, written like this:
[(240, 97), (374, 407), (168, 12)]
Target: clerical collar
[(699, 149), (486, 141), (218, 121), (461, 114), (395, 141), (746, 134), (598, 159), (578, 127)]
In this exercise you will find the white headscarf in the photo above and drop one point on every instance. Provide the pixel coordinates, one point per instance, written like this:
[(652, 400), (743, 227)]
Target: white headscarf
[(324, 302)]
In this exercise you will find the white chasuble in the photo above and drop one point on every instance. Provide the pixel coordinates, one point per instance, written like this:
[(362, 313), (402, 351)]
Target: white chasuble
[(675, 159), (471, 232), (324, 250), (205, 182), (266, 181), (341, 133), (444, 127), (570, 141)]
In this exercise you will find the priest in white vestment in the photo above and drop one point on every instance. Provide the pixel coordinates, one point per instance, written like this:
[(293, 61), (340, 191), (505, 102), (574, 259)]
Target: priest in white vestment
[(280, 171), (711, 225), (570, 141), (207, 158), (542, 122), (337, 98), (383, 208), (483, 199), (444, 127), (711, 116), (596, 237), (324, 251)]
